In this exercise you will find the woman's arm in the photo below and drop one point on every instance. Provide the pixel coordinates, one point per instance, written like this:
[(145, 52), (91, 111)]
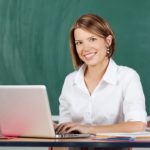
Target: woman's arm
[(120, 127), (93, 129)]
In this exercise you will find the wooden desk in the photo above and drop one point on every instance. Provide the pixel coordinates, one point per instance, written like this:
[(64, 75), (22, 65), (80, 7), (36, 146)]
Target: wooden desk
[(86, 142)]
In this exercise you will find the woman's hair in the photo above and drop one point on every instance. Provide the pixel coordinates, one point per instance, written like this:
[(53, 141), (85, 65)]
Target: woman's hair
[(94, 24)]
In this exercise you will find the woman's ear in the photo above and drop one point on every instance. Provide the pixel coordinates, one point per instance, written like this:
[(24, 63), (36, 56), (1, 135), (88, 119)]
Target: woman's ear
[(108, 40)]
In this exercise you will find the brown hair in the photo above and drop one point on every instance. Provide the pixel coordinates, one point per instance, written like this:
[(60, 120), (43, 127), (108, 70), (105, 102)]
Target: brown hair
[(95, 25)]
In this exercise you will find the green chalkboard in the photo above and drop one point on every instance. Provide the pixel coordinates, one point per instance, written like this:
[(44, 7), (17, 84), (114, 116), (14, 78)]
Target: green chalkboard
[(34, 40)]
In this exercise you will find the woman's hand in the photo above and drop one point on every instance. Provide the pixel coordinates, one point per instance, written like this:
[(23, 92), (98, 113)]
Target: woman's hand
[(55, 125), (71, 127)]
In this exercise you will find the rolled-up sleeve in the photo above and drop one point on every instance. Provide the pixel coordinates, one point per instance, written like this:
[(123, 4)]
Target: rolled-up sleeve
[(134, 100)]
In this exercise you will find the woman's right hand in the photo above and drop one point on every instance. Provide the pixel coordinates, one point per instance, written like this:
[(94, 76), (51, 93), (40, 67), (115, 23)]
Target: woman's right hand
[(55, 125), (71, 127)]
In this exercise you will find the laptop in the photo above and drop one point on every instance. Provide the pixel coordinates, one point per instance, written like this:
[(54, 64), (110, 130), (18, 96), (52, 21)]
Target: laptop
[(25, 112)]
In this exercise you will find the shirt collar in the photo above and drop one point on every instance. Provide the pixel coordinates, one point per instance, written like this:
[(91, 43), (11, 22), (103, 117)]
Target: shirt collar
[(79, 78), (110, 75)]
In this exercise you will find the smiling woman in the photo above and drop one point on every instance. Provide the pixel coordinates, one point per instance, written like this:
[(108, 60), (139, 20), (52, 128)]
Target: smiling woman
[(92, 50), (96, 27), (91, 47), (96, 97)]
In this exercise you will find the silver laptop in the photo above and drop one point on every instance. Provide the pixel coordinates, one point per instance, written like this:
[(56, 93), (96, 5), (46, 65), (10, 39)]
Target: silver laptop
[(25, 112)]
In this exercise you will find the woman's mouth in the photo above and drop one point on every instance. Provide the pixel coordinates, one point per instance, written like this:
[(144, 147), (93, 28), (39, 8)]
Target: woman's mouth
[(89, 56)]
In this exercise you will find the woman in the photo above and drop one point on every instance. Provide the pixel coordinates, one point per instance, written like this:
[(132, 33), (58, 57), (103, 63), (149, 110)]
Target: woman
[(100, 96)]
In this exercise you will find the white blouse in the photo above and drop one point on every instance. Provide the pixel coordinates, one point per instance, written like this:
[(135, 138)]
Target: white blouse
[(118, 97)]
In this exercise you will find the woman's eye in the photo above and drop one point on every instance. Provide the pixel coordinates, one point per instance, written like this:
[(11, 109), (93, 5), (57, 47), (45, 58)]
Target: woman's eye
[(78, 43), (92, 39)]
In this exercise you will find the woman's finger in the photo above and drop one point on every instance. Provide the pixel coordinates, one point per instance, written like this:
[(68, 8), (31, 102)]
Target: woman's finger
[(59, 128)]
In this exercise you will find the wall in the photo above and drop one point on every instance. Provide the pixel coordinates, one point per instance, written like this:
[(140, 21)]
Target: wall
[(34, 40)]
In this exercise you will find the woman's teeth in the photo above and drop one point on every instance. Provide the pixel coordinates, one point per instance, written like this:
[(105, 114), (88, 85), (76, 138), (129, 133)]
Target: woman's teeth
[(89, 56)]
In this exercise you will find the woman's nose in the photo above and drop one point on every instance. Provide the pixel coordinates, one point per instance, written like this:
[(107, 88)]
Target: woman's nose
[(86, 47)]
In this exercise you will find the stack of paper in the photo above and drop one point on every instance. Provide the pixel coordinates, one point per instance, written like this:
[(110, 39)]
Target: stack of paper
[(132, 135)]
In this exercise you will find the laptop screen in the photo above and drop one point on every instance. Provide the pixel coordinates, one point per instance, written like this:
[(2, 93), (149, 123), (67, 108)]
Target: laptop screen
[(25, 111)]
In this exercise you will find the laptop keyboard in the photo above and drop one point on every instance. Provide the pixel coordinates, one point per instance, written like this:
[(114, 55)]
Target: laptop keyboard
[(71, 135)]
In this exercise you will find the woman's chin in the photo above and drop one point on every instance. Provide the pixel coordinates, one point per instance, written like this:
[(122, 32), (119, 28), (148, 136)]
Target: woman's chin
[(91, 64)]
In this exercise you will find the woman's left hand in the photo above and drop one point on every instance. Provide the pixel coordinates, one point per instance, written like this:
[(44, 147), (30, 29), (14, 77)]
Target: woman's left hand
[(71, 127)]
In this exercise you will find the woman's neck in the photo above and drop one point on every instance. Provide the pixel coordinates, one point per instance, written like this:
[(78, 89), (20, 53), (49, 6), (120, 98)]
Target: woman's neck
[(96, 72)]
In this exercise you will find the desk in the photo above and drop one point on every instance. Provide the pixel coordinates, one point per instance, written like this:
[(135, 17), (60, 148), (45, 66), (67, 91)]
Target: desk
[(86, 142)]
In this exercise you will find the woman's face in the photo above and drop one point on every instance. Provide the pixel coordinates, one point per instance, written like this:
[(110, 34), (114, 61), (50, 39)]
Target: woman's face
[(92, 49)]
